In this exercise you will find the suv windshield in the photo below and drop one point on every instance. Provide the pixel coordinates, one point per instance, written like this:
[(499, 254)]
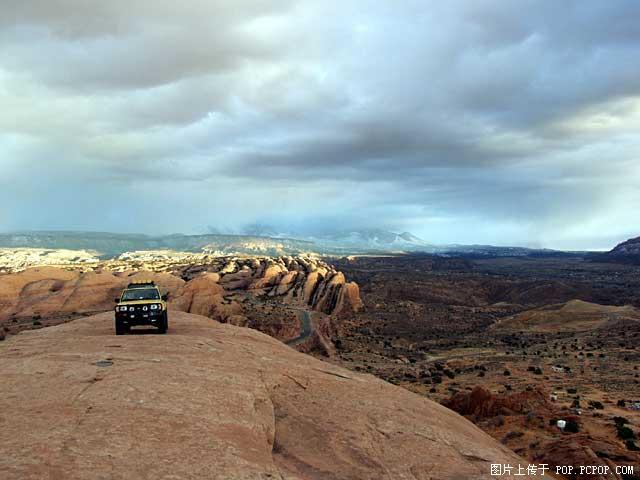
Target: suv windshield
[(140, 294)]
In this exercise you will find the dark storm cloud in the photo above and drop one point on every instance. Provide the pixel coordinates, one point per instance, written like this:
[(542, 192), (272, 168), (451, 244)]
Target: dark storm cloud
[(515, 119)]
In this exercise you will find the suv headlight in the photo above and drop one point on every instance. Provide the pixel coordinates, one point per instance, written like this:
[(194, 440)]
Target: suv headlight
[(122, 309), (155, 306)]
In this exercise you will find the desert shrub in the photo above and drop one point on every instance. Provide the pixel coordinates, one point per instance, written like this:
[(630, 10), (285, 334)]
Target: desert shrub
[(511, 435), (631, 445), (572, 390), (538, 371), (37, 323), (497, 421), (481, 374), (620, 420), (621, 403), (506, 373), (595, 404), (625, 433), (572, 427)]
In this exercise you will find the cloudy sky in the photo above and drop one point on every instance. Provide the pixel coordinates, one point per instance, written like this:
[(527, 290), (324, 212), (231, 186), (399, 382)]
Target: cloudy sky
[(511, 122)]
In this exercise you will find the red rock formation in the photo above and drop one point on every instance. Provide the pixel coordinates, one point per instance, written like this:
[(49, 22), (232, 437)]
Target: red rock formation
[(581, 449), (302, 281), (481, 403)]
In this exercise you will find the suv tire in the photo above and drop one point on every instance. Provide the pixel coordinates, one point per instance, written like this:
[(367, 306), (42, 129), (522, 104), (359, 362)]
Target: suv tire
[(121, 329), (164, 324)]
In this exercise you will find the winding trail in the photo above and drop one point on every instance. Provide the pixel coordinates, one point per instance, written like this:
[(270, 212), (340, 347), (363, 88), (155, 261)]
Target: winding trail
[(307, 328), (306, 321)]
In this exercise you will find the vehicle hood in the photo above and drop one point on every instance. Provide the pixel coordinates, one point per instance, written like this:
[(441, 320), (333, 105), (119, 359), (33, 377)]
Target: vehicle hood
[(140, 302)]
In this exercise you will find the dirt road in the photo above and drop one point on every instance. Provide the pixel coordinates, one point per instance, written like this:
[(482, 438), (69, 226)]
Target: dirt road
[(305, 331)]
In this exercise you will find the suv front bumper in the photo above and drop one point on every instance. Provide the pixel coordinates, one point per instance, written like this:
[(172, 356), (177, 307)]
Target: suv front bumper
[(150, 317)]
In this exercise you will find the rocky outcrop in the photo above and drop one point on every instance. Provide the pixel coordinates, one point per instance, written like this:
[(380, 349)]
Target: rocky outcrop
[(481, 404), (199, 296), (216, 401), (297, 282), (306, 281)]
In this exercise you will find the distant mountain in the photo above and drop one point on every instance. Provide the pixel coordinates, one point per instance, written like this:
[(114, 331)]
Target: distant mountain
[(625, 252), (630, 247), (113, 244), (372, 240), (348, 242)]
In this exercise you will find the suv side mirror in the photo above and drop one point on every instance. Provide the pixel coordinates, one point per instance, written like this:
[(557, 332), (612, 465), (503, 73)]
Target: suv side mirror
[(165, 297), (117, 300)]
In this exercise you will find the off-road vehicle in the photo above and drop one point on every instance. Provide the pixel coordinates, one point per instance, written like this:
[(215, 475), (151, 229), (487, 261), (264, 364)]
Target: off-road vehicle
[(141, 304)]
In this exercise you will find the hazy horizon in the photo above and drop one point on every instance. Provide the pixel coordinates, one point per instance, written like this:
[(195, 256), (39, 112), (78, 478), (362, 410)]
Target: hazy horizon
[(297, 236), (469, 122)]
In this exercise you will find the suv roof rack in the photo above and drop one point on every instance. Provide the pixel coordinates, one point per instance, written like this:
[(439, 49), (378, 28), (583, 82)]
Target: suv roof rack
[(142, 284)]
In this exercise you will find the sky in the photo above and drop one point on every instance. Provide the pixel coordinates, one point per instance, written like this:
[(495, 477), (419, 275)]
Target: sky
[(465, 121)]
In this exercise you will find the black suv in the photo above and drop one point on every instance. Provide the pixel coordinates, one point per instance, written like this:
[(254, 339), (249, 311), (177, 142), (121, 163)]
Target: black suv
[(141, 304)]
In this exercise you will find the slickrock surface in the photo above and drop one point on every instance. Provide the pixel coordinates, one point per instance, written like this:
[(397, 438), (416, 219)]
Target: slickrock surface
[(215, 401)]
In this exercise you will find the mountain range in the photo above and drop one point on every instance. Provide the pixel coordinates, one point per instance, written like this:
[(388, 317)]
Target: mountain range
[(266, 241)]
